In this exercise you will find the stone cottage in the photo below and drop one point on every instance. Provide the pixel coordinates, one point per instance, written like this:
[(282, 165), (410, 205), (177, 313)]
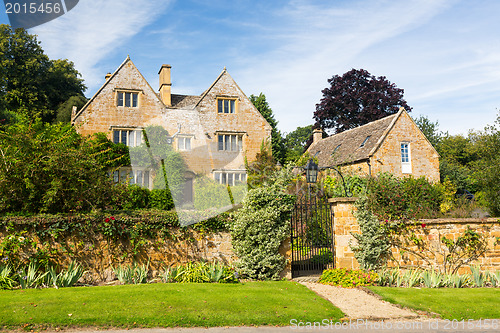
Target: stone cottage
[(213, 132), (392, 144)]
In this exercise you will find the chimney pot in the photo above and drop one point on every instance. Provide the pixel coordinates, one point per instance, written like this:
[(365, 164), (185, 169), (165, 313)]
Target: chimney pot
[(317, 135), (107, 76)]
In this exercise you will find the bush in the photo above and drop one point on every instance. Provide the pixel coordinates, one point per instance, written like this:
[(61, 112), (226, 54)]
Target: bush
[(137, 197), (391, 198), (373, 244), (261, 225), (347, 278), (201, 272), (51, 168), (161, 199), (354, 186)]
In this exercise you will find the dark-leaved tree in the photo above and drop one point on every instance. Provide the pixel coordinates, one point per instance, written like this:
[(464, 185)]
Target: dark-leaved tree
[(357, 98)]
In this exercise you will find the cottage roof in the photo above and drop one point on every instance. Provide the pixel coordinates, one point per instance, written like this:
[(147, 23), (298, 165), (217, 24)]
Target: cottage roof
[(184, 101), (354, 145)]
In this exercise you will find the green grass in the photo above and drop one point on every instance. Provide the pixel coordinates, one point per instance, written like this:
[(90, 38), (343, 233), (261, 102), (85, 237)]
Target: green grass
[(165, 305), (449, 303)]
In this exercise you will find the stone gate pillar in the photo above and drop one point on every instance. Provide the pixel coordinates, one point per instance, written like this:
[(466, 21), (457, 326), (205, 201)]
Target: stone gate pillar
[(343, 224)]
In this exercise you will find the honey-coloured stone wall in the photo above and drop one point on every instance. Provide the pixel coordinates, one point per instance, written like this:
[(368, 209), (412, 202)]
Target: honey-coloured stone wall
[(430, 231), (424, 158)]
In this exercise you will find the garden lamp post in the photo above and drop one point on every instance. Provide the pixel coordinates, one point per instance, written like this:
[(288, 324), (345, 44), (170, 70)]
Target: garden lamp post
[(311, 174)]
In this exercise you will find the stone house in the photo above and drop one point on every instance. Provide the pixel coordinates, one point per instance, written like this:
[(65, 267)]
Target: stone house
[(392, 144), (213, 132)]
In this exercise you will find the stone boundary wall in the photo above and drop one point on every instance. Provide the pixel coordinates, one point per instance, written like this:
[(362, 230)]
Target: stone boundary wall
[(431, 232), (98, 256)]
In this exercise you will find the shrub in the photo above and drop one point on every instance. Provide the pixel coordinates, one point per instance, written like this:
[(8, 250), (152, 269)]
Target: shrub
[(354, 186), (347, 278), (201, 272), (390, 198), (6, 281), (161, 199), (261, 225), (138, 197), (373, 244), (50, 168), (66, 277), (132, 274)]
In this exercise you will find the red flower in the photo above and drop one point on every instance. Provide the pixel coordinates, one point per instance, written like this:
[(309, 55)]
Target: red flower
[(106, 220), (113, 218), (424, 225)]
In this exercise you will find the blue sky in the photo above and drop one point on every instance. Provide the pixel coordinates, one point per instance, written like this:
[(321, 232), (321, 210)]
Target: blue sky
[(445, 54)]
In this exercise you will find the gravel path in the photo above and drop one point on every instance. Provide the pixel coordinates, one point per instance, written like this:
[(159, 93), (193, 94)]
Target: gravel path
[(358, 304)]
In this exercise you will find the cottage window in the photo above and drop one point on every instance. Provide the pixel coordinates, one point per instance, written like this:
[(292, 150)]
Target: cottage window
[(226, 105), (184, 143), (230, 142), (127, 99), (132, 176), (230, 177), (131, 138), (405, 158)]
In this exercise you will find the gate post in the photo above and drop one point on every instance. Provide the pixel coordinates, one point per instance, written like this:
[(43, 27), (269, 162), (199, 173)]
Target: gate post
[(344, 223)]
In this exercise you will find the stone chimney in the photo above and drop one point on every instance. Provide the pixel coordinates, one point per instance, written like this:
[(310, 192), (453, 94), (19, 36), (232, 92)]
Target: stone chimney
[(317, 135), (108, 76), (165, 85)]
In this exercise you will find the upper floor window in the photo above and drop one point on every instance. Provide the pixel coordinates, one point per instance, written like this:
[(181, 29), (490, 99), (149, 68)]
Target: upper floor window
[(131, 138), (127, 99), (405, 158), (230, 142), (226, 105), (184, 143)]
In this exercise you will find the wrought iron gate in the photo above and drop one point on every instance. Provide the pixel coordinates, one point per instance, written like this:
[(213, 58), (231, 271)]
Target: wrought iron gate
[(312, 235)]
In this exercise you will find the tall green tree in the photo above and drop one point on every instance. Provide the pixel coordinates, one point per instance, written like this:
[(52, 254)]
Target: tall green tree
[(295, 143), (278, 148), (30, 83), (430, 130)]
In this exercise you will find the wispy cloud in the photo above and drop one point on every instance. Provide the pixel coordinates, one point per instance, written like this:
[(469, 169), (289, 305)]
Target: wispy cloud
[(322, 40), (95, 29)]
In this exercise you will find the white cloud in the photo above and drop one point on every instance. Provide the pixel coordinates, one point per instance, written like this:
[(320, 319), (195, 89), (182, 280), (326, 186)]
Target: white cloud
[(322, 41), (93, 30)]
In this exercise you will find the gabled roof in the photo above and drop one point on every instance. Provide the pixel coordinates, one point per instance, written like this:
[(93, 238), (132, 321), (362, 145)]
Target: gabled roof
[(108, 81), (347, 147)]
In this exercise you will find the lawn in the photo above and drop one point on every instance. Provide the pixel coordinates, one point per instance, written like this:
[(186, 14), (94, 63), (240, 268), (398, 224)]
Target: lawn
[(165, 305), (449, 303)]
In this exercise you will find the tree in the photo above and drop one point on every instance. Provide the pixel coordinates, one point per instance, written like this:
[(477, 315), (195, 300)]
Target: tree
[(278, 149), (64, 110), (357, 98), (458, 155), (31, 83), (430, 130), (50, 168), (295, 143), (261, 170), (487, 166)]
